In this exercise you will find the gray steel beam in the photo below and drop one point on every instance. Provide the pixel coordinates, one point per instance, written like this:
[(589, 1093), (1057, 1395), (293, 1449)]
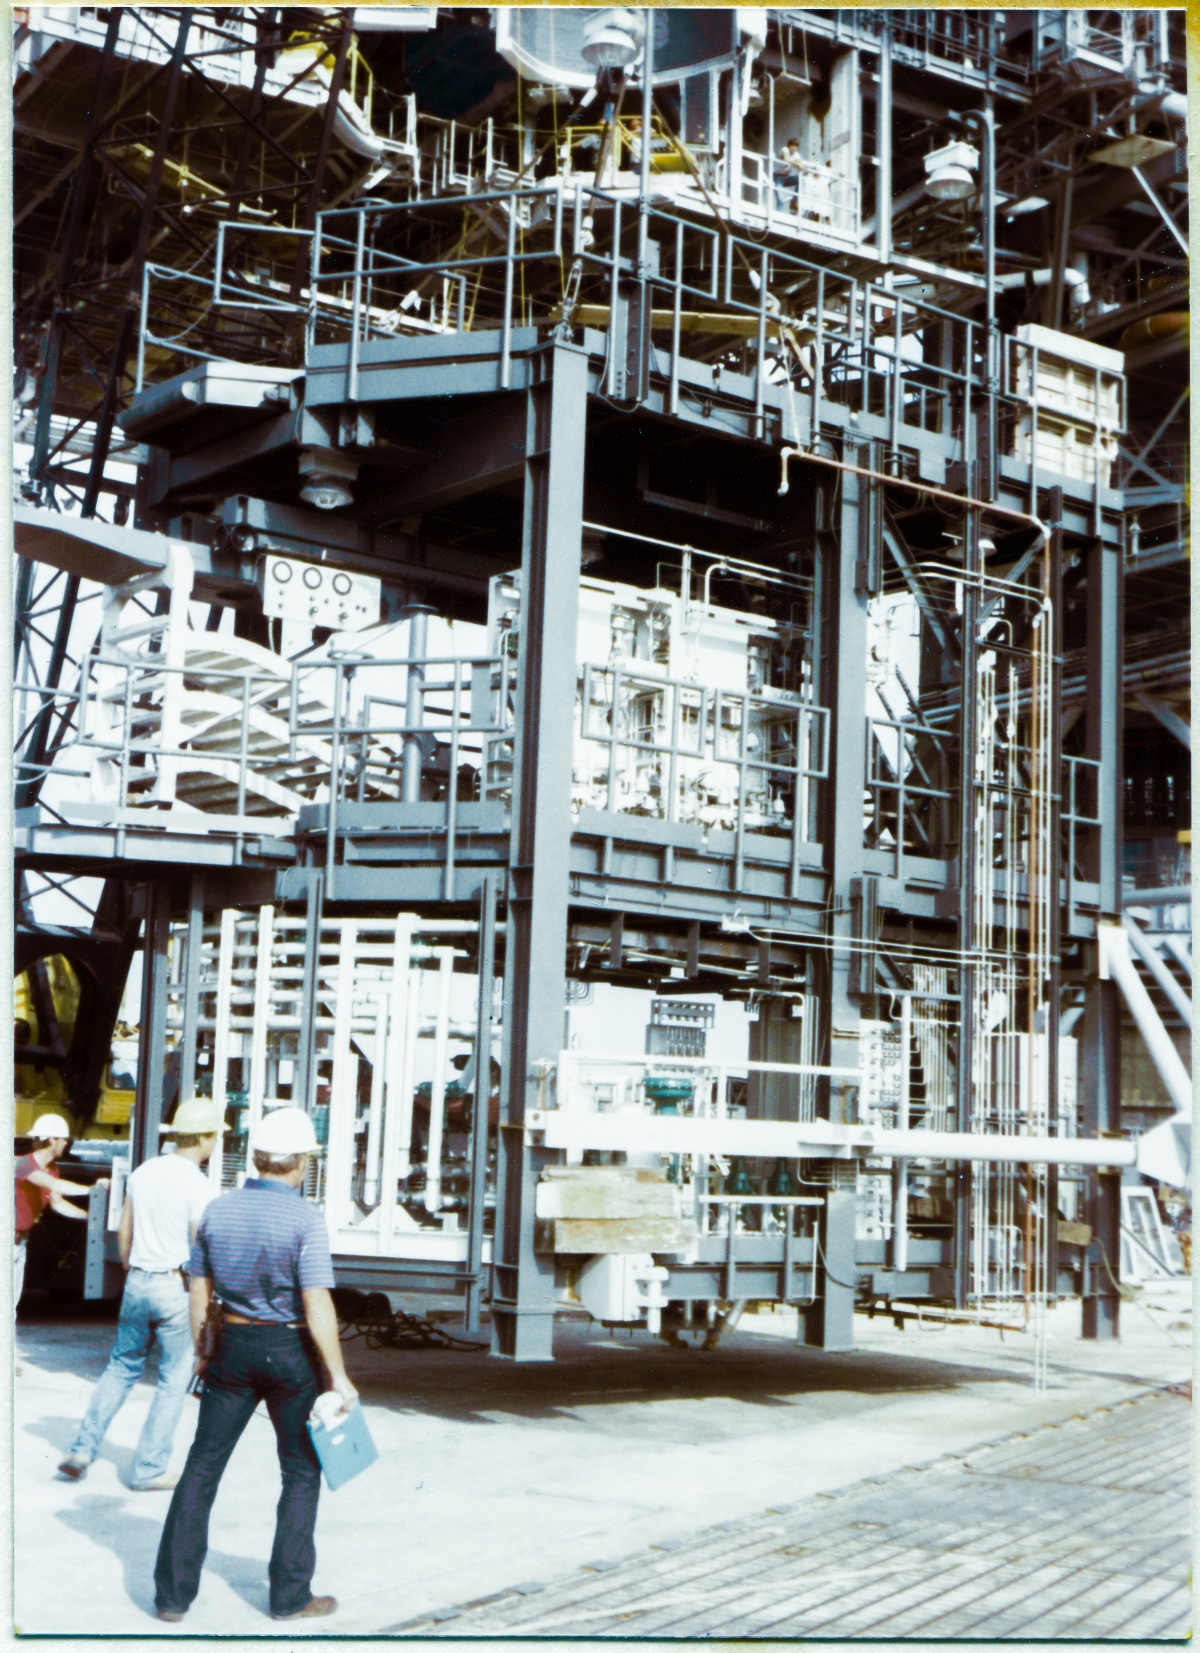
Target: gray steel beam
[(536, 941), (1167, 716), (485, 449)]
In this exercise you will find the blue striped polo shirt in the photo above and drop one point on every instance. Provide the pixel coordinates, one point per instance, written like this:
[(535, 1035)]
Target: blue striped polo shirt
[(261, 1245)]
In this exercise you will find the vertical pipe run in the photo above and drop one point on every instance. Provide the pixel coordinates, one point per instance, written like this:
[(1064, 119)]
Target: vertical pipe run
[(375, 1116), (352, 370), (305, 1089), (191, 988), (262, 1006), (343, 1089), (417, 615), (152, 1032), (399, 1037), (481, 1102), (900, 1166), (226, 947), (647, 117), (437, 1090), (883, 140)]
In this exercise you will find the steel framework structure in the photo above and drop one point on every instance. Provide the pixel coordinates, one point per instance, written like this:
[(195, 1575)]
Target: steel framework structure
[(611, 334)]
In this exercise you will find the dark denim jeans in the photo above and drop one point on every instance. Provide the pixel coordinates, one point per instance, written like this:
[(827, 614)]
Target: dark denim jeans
[(253, 1363)]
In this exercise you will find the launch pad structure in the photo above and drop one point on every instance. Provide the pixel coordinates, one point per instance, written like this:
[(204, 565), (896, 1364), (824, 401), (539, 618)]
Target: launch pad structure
[(533, 501)]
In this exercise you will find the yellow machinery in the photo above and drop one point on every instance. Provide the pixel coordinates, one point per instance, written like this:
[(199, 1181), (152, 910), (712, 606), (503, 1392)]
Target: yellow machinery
[(38, 1087)]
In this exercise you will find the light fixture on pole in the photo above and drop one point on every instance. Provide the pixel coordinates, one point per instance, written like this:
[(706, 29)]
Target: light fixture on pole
[(613, 38), (949, 171)]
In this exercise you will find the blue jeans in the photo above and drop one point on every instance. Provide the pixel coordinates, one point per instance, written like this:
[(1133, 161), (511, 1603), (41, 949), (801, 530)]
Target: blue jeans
[(155, 1306), (252, 1363)]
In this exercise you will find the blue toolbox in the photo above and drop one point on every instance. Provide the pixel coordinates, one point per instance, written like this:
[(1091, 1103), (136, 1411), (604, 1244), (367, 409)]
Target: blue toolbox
[(343, 1446)]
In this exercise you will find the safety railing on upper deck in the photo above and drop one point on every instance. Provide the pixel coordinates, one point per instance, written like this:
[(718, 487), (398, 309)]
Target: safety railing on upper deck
[(448, 740), (554, 252)]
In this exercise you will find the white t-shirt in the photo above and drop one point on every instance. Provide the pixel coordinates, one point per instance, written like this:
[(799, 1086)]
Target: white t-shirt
[(168, 1194)]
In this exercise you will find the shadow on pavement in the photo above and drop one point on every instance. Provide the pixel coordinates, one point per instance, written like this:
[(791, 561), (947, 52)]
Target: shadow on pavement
[(133, 1539), (60, 1432), (590, 1372)]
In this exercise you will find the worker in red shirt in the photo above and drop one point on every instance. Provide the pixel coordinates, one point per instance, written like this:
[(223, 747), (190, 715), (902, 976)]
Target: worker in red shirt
[(39, 1185)]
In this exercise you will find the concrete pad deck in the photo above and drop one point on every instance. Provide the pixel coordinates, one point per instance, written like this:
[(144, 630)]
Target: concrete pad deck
[(494, 1476)]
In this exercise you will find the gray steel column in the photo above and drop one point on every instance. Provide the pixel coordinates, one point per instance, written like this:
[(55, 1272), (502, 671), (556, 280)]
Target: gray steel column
[(536, 935), (843, 654), (191, 987), (304, 1092), (1101, 1053), (1105, 650), (152, 1032), (1054, 572), (1100, 1091), (481, 1102)]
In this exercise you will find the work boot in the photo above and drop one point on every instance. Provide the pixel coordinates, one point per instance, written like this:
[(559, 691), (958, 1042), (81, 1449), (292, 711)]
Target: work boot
[(161, 1483), (318, 1608), (74, 1467)]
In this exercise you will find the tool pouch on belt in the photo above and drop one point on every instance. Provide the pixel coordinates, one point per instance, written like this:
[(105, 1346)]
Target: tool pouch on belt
[(210, 1333)]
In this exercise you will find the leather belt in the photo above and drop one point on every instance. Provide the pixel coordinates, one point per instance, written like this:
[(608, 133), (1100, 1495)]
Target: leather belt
[(244, 1320)]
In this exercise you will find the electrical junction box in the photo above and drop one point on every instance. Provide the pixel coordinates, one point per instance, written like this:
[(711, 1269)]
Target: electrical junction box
[(318, 596)]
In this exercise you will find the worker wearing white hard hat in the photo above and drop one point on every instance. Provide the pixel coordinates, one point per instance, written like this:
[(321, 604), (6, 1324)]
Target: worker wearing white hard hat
[(164, 1201), (264, 1325), (39, 1185)]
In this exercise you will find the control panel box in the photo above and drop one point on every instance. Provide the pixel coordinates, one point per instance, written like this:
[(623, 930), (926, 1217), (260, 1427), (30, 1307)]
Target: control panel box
[(318, 596)]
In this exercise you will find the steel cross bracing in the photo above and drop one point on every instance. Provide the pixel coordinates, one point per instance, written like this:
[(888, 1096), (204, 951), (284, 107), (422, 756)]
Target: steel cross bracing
[(514, 370)]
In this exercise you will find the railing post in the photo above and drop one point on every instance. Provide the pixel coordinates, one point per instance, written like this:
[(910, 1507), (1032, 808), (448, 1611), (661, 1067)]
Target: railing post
[(481, 1102)]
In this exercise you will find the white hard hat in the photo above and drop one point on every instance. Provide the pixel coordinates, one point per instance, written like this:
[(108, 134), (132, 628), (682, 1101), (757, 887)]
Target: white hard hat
[(196, 1117), (50, 1125), (284, 1131)]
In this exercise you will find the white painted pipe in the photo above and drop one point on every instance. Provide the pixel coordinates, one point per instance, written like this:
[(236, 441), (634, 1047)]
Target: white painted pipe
[(1116, 963), (221, 1021), (343, 1087), (437, 1090), (635, 1130), (375, 1116), (1039, 278), (262, 1005), (1007, 1150), (900, 1165), (1153, 961), (395, 1144)]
